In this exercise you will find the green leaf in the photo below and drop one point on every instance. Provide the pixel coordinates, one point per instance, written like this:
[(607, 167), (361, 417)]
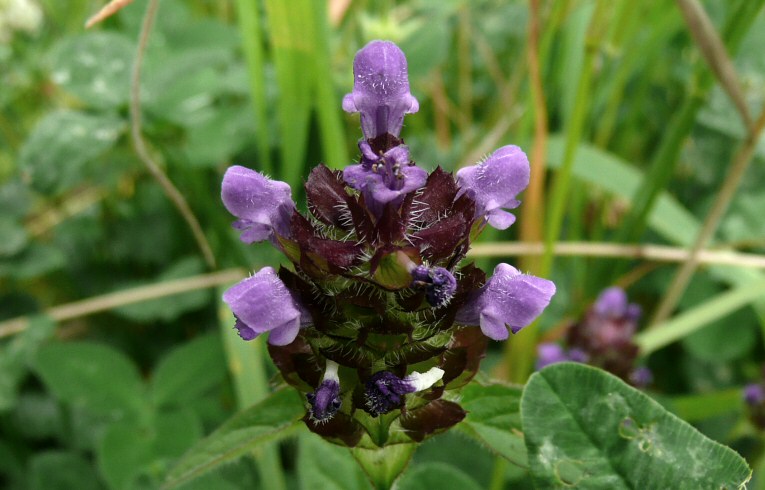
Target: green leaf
[(94, 376), (17, 354), (267, 421), (54, 155), (38, 416), (384, 465), (62, 471), (436, 475), (327, 466), (188, 372), (95, 67), (128, 450), (588, 429), (617, 177), (494, 419), (33, 261), (14, 236), (170, 307)]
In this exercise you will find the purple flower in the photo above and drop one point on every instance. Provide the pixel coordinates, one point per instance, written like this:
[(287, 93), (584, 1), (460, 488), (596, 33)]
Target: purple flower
[(380, 89), (440, 285), (641, 377), (550, 353), (508, 298), (754, 394), (326, 401), (612, 303), (494, 183), (385, 178), (262, 303), (263, 206), (385, 391)]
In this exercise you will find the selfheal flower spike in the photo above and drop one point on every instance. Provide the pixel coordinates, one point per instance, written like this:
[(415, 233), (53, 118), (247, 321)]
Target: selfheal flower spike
[(262, 303), (494, 183), (326, 401), (377, 275), (385, 391), (508, 298), (754, 394), (380, 89), (263, 206)]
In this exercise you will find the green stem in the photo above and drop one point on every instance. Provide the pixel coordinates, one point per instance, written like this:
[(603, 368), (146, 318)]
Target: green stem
[(696, 318), (248, 15), (327, 102), (498, 473), (246, 362), (574, 129)]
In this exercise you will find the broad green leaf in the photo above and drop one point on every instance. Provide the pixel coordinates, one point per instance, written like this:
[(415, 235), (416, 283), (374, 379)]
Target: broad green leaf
[(188, 371), (14, 236), (54, 155), (459, 452), (436, 475), (327, 466), (384, 465), (62, 471), (95, 67), (35, 260), (216, 138), (94, 376), (586, 428), (38, 416), (170, 307), (267, 421), (183, 89), (12, 467), (128, 450), (494, 419), (17, 354)]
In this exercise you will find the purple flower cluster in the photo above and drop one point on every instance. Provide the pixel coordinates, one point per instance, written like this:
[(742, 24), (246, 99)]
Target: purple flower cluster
[(753, 396), (378, 314), (602, 338)]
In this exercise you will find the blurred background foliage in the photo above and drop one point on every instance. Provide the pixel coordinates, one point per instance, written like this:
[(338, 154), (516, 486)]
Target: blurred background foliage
[(108, 390)]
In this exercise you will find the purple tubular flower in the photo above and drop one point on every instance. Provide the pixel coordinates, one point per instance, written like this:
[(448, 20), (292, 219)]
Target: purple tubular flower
[(494, 183), (611, 302), (385, 178), (326, 401), (641, 377), (577, 355), (550, 353), (262, 303), (508, 298), (440, 285), (380, 89), (263, 206), (385, 391), (754, 394)]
